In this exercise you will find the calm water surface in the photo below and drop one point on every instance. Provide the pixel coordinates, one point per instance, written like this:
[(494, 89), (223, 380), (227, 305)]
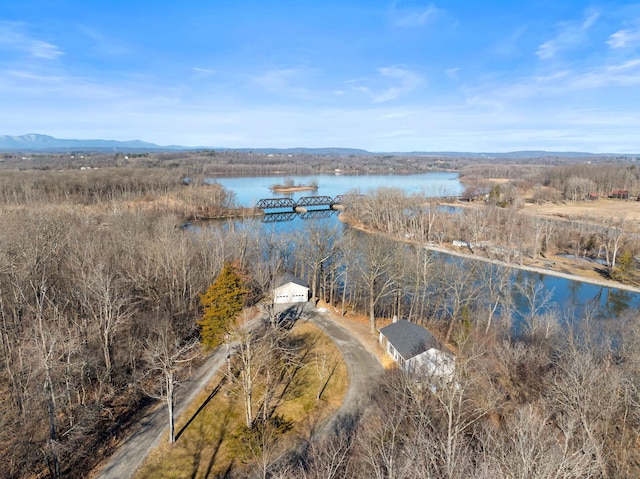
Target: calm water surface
[(565, 294), (248, 191)]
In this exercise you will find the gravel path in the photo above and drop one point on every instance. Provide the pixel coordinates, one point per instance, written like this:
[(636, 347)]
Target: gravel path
[(135, 449), (362, 366)]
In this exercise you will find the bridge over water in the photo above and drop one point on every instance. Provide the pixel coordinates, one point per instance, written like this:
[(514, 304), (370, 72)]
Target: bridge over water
[(282, 216), (305, 203)]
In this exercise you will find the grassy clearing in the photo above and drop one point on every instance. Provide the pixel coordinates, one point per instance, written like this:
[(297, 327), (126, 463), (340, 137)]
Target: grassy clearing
[(216, 440), (602, 209)]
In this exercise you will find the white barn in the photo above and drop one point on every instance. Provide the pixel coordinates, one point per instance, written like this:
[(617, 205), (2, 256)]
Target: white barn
[(290, 289), (415, 349)]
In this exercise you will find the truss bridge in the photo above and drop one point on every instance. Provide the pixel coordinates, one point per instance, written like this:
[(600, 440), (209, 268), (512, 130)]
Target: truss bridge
[(315, 201), (273, 203), (304, 204), (291, 215)]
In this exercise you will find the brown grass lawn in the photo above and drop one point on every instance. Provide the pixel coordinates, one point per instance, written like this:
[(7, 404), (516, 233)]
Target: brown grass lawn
[(216, 440), (599, 211), (602, 209)]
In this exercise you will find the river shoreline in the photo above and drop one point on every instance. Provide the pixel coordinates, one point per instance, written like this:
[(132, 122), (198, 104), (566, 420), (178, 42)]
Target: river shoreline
[(537, 269), (525, 267)]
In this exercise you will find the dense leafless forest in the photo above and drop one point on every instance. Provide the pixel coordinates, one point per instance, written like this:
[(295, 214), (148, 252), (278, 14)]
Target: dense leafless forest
[(499, 229), (244, 163), (235, 163), (572, 182), (561, 408), (96, 274)]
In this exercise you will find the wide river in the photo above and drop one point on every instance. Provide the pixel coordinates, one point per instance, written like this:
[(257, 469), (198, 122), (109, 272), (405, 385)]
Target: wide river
[(567, 295)]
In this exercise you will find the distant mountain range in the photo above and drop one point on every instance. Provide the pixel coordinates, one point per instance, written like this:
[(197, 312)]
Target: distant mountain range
[(42, 143), (35, 142)]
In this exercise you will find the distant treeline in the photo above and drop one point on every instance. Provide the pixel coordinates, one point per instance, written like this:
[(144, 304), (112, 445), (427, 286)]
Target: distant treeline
[(141, 188), (242, 163), (571, 181)]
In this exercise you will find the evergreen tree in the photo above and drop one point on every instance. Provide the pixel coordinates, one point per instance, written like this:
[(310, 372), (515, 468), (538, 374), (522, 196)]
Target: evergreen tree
[(221, 305)]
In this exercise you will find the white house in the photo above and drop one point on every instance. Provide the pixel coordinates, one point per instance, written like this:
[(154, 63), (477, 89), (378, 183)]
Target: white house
[(415, 349), (290, 289)]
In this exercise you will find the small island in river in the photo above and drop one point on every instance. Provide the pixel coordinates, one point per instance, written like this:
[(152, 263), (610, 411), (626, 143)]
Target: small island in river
[(289, 186)]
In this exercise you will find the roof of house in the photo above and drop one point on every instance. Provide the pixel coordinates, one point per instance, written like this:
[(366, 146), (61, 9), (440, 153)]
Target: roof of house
[(410, 339), (287, 278)]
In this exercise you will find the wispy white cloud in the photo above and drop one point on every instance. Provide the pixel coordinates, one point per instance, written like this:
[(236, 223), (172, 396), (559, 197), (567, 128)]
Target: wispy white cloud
[(631, 64), (569, 34), (411, 16), (287, 81), (453, 73), (624, 38), (40, 49), (203, 72), (289, 84), (620, 75), (590, 20), (546, 50), (509, 45), (34, 77), (104, 44), (558, 84), (404, 81), (32, 86), (207, 71), (278, 79), (12, 37)]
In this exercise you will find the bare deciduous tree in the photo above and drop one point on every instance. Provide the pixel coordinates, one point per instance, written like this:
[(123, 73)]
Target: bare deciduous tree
[(103, 300), (612, 235), (375, 266), (166, 354), (496, 292)]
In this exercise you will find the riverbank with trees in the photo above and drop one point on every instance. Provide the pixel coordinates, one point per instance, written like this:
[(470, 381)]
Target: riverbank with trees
[(563, 267), (596, 243)]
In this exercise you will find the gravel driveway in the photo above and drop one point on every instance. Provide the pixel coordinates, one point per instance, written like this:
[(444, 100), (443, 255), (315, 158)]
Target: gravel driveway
[(148, 433), (362, 366)]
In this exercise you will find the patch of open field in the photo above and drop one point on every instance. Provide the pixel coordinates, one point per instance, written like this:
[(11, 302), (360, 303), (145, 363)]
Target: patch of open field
[(602, 209), (212, 437)]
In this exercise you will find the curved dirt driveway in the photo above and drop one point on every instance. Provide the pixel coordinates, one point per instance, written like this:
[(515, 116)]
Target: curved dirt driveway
[(134, 450), (362, 366)]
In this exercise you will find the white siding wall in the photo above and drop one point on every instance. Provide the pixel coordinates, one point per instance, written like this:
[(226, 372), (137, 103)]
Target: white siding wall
[(291, 293), (434, 363)]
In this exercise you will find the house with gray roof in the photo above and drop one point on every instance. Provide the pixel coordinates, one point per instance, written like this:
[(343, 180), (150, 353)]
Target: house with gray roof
[(415, 349)]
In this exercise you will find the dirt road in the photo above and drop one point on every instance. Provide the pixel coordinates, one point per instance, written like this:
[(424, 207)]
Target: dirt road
[(363, 367), (134, 450)]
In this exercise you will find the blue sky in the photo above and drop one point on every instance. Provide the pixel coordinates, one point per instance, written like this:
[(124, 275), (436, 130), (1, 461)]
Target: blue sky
[(380, 75)]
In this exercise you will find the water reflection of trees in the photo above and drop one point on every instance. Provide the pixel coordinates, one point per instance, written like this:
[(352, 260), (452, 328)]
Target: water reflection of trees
[(618, 301), (457, 293), (438, 289)]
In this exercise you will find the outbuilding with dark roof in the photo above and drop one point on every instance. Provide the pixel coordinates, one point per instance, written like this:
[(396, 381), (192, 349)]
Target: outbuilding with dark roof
[(414, 348)]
